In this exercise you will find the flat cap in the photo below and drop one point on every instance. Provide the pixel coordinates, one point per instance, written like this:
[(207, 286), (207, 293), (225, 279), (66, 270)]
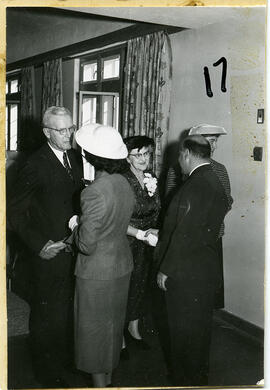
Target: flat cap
[(205, 129)]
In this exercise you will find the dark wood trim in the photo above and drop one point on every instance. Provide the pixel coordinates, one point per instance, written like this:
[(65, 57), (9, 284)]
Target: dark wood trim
[(248, 330), (134, 31)]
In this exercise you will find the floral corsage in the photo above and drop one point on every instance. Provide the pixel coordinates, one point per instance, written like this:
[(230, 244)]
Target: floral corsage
[(150, 183)]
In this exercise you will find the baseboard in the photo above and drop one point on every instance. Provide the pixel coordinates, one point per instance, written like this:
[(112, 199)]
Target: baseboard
[(253, 332)]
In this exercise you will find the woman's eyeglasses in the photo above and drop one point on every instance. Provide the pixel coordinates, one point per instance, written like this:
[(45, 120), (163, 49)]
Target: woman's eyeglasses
[(63, 131), (140, 155)]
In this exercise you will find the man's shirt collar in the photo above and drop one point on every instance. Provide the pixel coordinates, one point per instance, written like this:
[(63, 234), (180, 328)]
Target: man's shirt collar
[(58, 153), (198, 166)]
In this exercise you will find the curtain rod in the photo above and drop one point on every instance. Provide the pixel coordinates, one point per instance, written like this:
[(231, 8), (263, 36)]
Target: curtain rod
[(114, 37), (95, 50)]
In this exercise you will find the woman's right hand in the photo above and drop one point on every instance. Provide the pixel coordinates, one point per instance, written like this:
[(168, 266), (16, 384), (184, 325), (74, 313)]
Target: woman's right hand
[(73, 222)]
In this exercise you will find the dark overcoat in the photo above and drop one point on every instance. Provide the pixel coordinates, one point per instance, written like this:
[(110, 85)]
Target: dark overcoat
[(188, 255), (43, 201)]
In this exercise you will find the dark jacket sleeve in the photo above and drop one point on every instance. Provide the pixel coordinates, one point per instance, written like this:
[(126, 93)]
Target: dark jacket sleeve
[(19, 209), (227, 188), (222, 173)]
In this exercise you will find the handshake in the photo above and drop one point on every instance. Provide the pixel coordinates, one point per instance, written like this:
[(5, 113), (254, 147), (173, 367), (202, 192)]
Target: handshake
[(149, 236)]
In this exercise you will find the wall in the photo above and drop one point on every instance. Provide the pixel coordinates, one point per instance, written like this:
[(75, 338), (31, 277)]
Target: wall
[(241, 41)]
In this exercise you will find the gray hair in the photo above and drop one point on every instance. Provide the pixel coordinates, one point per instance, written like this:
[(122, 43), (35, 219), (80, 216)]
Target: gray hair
[(54, 110)]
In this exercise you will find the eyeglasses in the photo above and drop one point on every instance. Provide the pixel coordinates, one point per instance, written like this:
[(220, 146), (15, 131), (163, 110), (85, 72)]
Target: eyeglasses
[(63, 131), (140, 155)]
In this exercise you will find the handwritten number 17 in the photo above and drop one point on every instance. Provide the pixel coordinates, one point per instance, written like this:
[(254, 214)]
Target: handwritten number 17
[(222, 61)]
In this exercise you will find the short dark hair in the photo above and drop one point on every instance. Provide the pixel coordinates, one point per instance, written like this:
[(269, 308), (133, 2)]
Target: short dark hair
[(138, 142), (197, 145), (107, 164)]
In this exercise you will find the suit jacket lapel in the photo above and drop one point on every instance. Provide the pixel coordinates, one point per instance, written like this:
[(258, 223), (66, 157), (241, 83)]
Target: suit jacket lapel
[(76, 165), (54, 162)]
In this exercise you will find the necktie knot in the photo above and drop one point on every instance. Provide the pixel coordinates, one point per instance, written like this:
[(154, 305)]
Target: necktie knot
[(67, 166)]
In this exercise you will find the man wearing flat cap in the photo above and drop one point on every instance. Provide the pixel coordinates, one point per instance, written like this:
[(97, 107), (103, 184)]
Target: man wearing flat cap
[(42, 203), (189, 270), (212, 134)]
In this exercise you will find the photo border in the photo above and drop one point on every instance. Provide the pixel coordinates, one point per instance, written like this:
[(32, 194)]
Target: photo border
[(103, 3)]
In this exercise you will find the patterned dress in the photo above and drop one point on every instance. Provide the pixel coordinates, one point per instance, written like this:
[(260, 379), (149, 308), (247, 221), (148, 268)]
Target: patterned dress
[(145, 216)]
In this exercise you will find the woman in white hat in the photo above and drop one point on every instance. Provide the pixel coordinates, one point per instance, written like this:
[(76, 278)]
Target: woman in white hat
[(104, 261)]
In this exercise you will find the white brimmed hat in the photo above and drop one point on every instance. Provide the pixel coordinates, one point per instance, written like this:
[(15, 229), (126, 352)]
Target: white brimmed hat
[(205, 129), (102, 141)]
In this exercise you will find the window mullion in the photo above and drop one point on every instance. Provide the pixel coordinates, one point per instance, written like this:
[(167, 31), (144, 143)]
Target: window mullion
[(99, 83), (8, 127)]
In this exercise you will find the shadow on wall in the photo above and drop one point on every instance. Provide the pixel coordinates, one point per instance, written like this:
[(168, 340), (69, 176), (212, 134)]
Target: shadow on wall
[(31, 136), (171, 175)]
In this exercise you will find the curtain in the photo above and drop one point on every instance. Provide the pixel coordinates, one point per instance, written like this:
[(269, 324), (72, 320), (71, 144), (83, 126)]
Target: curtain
[(27, 116), (147, 89), (52, 94)]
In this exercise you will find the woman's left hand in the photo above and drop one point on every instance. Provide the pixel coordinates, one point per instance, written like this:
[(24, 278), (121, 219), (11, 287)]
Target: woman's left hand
[(151, 231)]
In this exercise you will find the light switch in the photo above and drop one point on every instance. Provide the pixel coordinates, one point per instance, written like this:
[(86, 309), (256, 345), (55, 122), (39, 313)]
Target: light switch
[(257, 153), (260, 115)]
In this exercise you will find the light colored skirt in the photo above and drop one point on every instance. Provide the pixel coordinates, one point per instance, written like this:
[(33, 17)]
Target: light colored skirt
[(100, 311)]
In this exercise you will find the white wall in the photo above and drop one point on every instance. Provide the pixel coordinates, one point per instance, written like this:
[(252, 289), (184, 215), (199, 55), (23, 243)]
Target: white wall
[(241, 41)]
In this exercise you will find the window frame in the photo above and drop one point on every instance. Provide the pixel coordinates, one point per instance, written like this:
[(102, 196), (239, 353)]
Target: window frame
[(111, 85), (110, 57), (94, 93), (12, 98)]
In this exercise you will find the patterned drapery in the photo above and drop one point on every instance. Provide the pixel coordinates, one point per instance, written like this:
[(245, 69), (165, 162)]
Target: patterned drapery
[(27, 117), (147, 89), (52, 94)]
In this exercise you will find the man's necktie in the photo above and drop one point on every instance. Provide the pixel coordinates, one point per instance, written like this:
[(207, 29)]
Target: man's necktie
[(67, 166)]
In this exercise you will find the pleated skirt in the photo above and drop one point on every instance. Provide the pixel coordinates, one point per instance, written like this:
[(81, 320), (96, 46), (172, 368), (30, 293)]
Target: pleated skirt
[(100, 310)]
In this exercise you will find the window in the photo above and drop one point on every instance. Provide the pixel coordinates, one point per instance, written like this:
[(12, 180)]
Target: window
[(100, 87), (12, 111), (110, 67), (90, 72), (99, 107)]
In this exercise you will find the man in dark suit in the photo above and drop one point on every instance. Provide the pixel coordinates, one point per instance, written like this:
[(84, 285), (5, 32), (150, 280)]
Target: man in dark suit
[(212, 133), (189, 268), (45, 197)]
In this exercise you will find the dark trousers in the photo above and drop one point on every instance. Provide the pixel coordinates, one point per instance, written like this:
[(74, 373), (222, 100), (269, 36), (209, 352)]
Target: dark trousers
[(190, 308), (51, 317), (219, 296)]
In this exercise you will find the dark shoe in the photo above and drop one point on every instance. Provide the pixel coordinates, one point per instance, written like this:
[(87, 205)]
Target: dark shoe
[(140, 343), (124, 354)]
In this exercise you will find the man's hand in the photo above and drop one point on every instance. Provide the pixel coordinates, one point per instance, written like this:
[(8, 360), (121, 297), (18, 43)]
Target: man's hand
[(151, 240), (151, 237), (161, 281), (51, 249), (152, 231)]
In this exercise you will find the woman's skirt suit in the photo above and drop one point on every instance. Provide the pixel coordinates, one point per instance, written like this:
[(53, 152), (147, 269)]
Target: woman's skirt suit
[(103, 269)]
